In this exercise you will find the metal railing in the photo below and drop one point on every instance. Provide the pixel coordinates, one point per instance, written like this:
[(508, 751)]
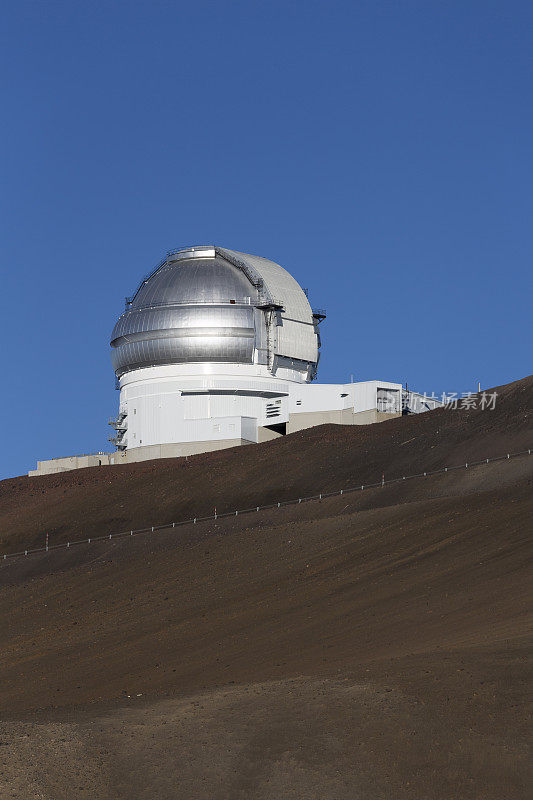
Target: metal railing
[(223, 301), (295, 501), (119, 423)]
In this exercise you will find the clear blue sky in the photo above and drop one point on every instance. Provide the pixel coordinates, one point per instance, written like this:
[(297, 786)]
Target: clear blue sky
[(381, 151)]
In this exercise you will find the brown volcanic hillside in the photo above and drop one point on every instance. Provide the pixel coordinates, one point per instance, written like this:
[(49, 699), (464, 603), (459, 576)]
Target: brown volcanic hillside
[(96, 501), (367, 646)]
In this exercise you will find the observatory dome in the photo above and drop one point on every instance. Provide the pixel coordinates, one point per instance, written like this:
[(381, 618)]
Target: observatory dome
[(209, 304)]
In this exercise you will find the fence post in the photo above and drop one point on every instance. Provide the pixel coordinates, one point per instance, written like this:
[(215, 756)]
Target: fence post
[(258, 508)]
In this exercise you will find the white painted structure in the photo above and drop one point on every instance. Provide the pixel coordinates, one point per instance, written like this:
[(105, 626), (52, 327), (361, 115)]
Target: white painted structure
[(218, 348), (168, 405)]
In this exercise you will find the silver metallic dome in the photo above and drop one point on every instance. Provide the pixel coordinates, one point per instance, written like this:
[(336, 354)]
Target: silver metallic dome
[(193, 281), (207, 304)]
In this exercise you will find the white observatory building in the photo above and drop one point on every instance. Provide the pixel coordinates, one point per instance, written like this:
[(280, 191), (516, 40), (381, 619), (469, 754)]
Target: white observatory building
[(218, 348)]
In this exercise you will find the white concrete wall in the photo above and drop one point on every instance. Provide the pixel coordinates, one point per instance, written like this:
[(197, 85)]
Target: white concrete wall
[(307, 398), (168, 415), (163, 407), (67, 463), (361, 396), (170, 431), (366, 395), (177, 450)]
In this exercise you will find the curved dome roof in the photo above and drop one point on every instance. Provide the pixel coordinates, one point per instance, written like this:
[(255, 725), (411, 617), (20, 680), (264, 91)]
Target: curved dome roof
[(211, 304), (195, 280)]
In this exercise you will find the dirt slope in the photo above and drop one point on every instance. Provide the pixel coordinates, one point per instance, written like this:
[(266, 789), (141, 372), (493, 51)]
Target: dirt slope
[(100, 500), (370, 646)]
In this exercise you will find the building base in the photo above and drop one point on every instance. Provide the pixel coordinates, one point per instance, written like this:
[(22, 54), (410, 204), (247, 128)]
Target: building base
[(198, 417), (297, 422)]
